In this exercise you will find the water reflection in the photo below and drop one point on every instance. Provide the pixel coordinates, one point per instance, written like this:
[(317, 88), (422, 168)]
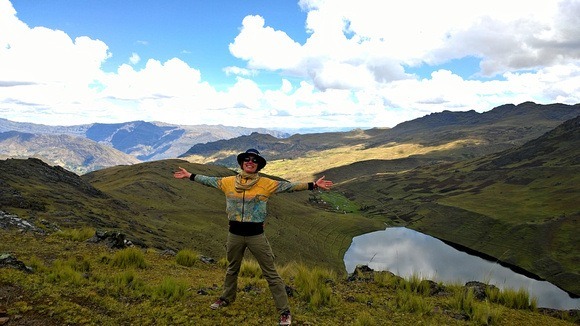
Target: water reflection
[(406, 252)]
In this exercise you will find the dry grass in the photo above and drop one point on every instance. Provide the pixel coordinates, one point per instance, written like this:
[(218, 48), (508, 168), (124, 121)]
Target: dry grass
[(77, 283)]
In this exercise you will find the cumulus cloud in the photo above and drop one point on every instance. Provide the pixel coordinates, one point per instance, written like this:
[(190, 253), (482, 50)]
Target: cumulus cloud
[(354, 69)]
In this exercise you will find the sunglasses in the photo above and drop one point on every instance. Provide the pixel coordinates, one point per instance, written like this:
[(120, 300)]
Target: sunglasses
[(248, 159)]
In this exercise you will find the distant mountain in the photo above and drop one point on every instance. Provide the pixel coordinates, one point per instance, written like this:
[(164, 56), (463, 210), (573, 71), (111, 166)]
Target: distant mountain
[(145, 141), (480, 133), (76, 154), (149, 141)]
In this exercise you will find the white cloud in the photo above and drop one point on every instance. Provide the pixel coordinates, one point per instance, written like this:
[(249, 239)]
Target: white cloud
[(134, 58), (350, 71)]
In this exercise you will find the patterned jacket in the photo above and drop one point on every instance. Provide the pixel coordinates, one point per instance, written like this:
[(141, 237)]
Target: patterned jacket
[(249, 205)]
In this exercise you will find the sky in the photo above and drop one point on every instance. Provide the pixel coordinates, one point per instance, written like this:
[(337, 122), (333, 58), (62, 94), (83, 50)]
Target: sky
[(311, 64)]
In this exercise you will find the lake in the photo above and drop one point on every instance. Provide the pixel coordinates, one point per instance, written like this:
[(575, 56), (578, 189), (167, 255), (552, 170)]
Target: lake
[(406, 252)]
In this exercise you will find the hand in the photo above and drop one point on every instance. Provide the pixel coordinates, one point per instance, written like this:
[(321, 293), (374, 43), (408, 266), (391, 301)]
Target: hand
[(323, 184), (181, 174)]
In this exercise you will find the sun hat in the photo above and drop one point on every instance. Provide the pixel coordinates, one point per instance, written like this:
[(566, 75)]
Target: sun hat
[(252, 152)]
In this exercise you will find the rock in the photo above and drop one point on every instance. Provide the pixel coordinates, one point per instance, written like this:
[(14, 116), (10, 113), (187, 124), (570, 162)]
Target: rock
[(479, 289), (207, 260), (290, 291), (361, 273), (7, 260), (433, 287), (9, 221), (113, 240), (168, 252)]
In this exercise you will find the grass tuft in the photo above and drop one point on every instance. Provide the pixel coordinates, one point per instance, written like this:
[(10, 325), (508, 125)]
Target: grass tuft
[(186, 257), (78, 235), (129, 257), (313, 286), (250, 268), (170, 289)]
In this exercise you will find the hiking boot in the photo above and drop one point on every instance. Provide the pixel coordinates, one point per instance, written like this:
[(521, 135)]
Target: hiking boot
[(285, 318), (218, 304)]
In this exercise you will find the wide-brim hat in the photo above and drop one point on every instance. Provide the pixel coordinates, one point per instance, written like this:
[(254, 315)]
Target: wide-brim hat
[(256, 154)]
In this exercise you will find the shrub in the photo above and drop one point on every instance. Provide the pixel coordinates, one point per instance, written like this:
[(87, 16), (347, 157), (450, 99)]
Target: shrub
[(186, 257), (63, 272), (365, 319), (170, 289), (250, 268), (128, 280), (36, 264), (485, 314), (481, 313), (79, 264), (313, 286), (223, 262), (414, 284), (129, 257), (406, 301), (516, 299), (387, 279), (76, 234)]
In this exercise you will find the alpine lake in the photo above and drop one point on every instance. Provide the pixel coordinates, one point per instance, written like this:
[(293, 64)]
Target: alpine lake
[(407, 253)]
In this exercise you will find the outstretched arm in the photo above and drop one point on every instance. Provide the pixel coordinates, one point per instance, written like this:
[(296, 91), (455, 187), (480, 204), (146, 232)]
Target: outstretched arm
[(181, 173), (323, 184)]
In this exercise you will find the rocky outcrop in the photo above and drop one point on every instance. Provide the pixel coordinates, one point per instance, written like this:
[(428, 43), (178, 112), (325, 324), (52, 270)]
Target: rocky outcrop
[(112, 239), (9, 261), (10, 221)]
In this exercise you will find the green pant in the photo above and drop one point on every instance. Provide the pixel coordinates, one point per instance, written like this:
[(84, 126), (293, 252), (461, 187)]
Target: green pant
[(260, 248)]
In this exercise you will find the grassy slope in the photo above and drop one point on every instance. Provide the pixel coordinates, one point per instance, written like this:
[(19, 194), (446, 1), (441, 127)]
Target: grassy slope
[(75, 283), (192, 215)]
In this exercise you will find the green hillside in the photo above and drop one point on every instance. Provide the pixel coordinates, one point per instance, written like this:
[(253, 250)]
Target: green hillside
[(519, 206), (145, 202)]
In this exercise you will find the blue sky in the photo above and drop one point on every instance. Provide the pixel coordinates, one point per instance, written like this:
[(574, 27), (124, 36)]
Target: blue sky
[(281, 64)]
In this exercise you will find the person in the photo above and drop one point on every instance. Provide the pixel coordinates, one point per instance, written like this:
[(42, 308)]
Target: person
[(246, 196)]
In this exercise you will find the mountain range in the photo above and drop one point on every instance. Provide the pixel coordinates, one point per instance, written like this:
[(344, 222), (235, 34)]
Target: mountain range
[(504, 184), (85, 148), (447, 136)]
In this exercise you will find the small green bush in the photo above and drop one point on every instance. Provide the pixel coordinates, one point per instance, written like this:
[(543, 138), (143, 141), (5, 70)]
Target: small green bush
[(76, 234), (129, 257), (516, 299), (186, 257), (386, 279), (313, 286), (170, 289), (410, 302), (128, 280), (79, 264), (414, 284), (37, 265), (250, 268), (62, 272), (485, 314), (365, 319)]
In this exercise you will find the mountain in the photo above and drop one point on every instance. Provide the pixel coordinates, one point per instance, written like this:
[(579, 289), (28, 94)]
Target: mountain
[(519, 206), (149, 141), (144, 141), (76, 154), (437, 137)]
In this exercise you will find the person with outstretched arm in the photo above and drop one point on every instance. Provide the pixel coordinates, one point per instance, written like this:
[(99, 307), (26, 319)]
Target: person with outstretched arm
[(247, 194)]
